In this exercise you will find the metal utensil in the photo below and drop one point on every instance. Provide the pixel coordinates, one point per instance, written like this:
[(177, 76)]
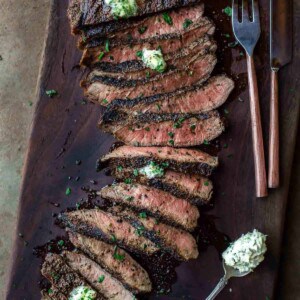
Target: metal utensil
[(247, 32), (229, 273), (281, 43)]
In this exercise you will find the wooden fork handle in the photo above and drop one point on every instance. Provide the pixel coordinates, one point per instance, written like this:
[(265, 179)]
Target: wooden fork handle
[(273, 180), (257, 137)]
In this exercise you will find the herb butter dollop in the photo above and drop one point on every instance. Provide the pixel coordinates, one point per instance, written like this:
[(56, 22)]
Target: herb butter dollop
[(246, 253), (82, 293), (154, 60), (152, 170), (122, 8)]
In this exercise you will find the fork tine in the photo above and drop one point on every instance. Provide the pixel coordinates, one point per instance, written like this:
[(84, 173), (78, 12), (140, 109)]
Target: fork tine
[(255, 8), (235, 10), (245, 11)]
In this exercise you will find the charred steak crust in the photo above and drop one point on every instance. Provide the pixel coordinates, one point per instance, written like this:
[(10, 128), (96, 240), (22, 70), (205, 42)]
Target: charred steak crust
[(84, 13)]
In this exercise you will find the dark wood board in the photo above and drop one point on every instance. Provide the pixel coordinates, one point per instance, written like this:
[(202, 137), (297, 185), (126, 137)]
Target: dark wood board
[(64, 131)]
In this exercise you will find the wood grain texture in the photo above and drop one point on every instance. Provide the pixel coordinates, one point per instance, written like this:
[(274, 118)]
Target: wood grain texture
[(257, 135), (273, 174), (64, 131)]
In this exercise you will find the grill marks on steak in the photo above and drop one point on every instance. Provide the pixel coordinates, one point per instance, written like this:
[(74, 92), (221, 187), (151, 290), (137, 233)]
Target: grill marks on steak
[(154, 201), (196, 99), (180, 160), (136, 70), (152, 26), (194, 71), (176, 241), (103, 225), (194, 188), (177, 130), (128, 271), (110, 287), (84, 13), (61, 275)]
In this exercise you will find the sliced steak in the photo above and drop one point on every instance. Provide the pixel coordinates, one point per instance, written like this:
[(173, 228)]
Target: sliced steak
[(192, 187), (122, 51), (148, 27), (176, 241), (61, 276), (53, 294), (157, 202), (103, 225), (197, 99), (97, 277), (84, 13), (104, 89), (180, 160), (136, 70), (127, 270), (152, 129)]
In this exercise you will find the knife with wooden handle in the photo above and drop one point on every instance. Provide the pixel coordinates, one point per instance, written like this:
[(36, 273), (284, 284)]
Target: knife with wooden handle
[(281, 42)]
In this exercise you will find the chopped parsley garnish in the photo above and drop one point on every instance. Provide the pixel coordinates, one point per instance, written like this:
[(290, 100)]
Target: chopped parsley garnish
[(225, 146), (60, 243), (143, 215), (119, 168), (147, 74), (129, 198), (165, 164), (147, 128), (233, 44), (205, 142), (193, 127), (107, 45), (228, 11), (101, 55), (118, 256), (139, 53), (167, 18), (158, 106), (178, 123), (136, 172), (187, 23), (139, 231), (153, 170), (104, 101), (68, 191), (50, 291), (142, 29), (51, 93), (171, 142), (101, 278), (206, 183), (128, 180), (113, 238), (171, 134)]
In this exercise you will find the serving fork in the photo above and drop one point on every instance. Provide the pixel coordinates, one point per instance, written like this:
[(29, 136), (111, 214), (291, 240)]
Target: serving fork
[(246, 28)]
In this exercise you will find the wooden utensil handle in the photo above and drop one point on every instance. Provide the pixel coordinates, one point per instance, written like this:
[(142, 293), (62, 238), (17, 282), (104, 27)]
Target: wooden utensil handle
[(273, 180), (257, 137)]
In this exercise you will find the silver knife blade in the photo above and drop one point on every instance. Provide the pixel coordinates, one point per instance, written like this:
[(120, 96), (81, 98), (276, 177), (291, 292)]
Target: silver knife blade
[(281, 33)]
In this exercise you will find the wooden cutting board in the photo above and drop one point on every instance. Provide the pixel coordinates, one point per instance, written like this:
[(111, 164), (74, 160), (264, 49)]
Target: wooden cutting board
[(65, 142)]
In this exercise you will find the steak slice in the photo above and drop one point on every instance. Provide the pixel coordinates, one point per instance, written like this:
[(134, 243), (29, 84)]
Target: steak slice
[(157, 202), (104, 89), (121, 51), (192, 187), (136, 69), (103, 225), (53, 294), (152, 129), (178, 242), (127, 270), (147, 27), (61, 276), (180, 160), (84, 13), (97, 277), (197, 99)]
